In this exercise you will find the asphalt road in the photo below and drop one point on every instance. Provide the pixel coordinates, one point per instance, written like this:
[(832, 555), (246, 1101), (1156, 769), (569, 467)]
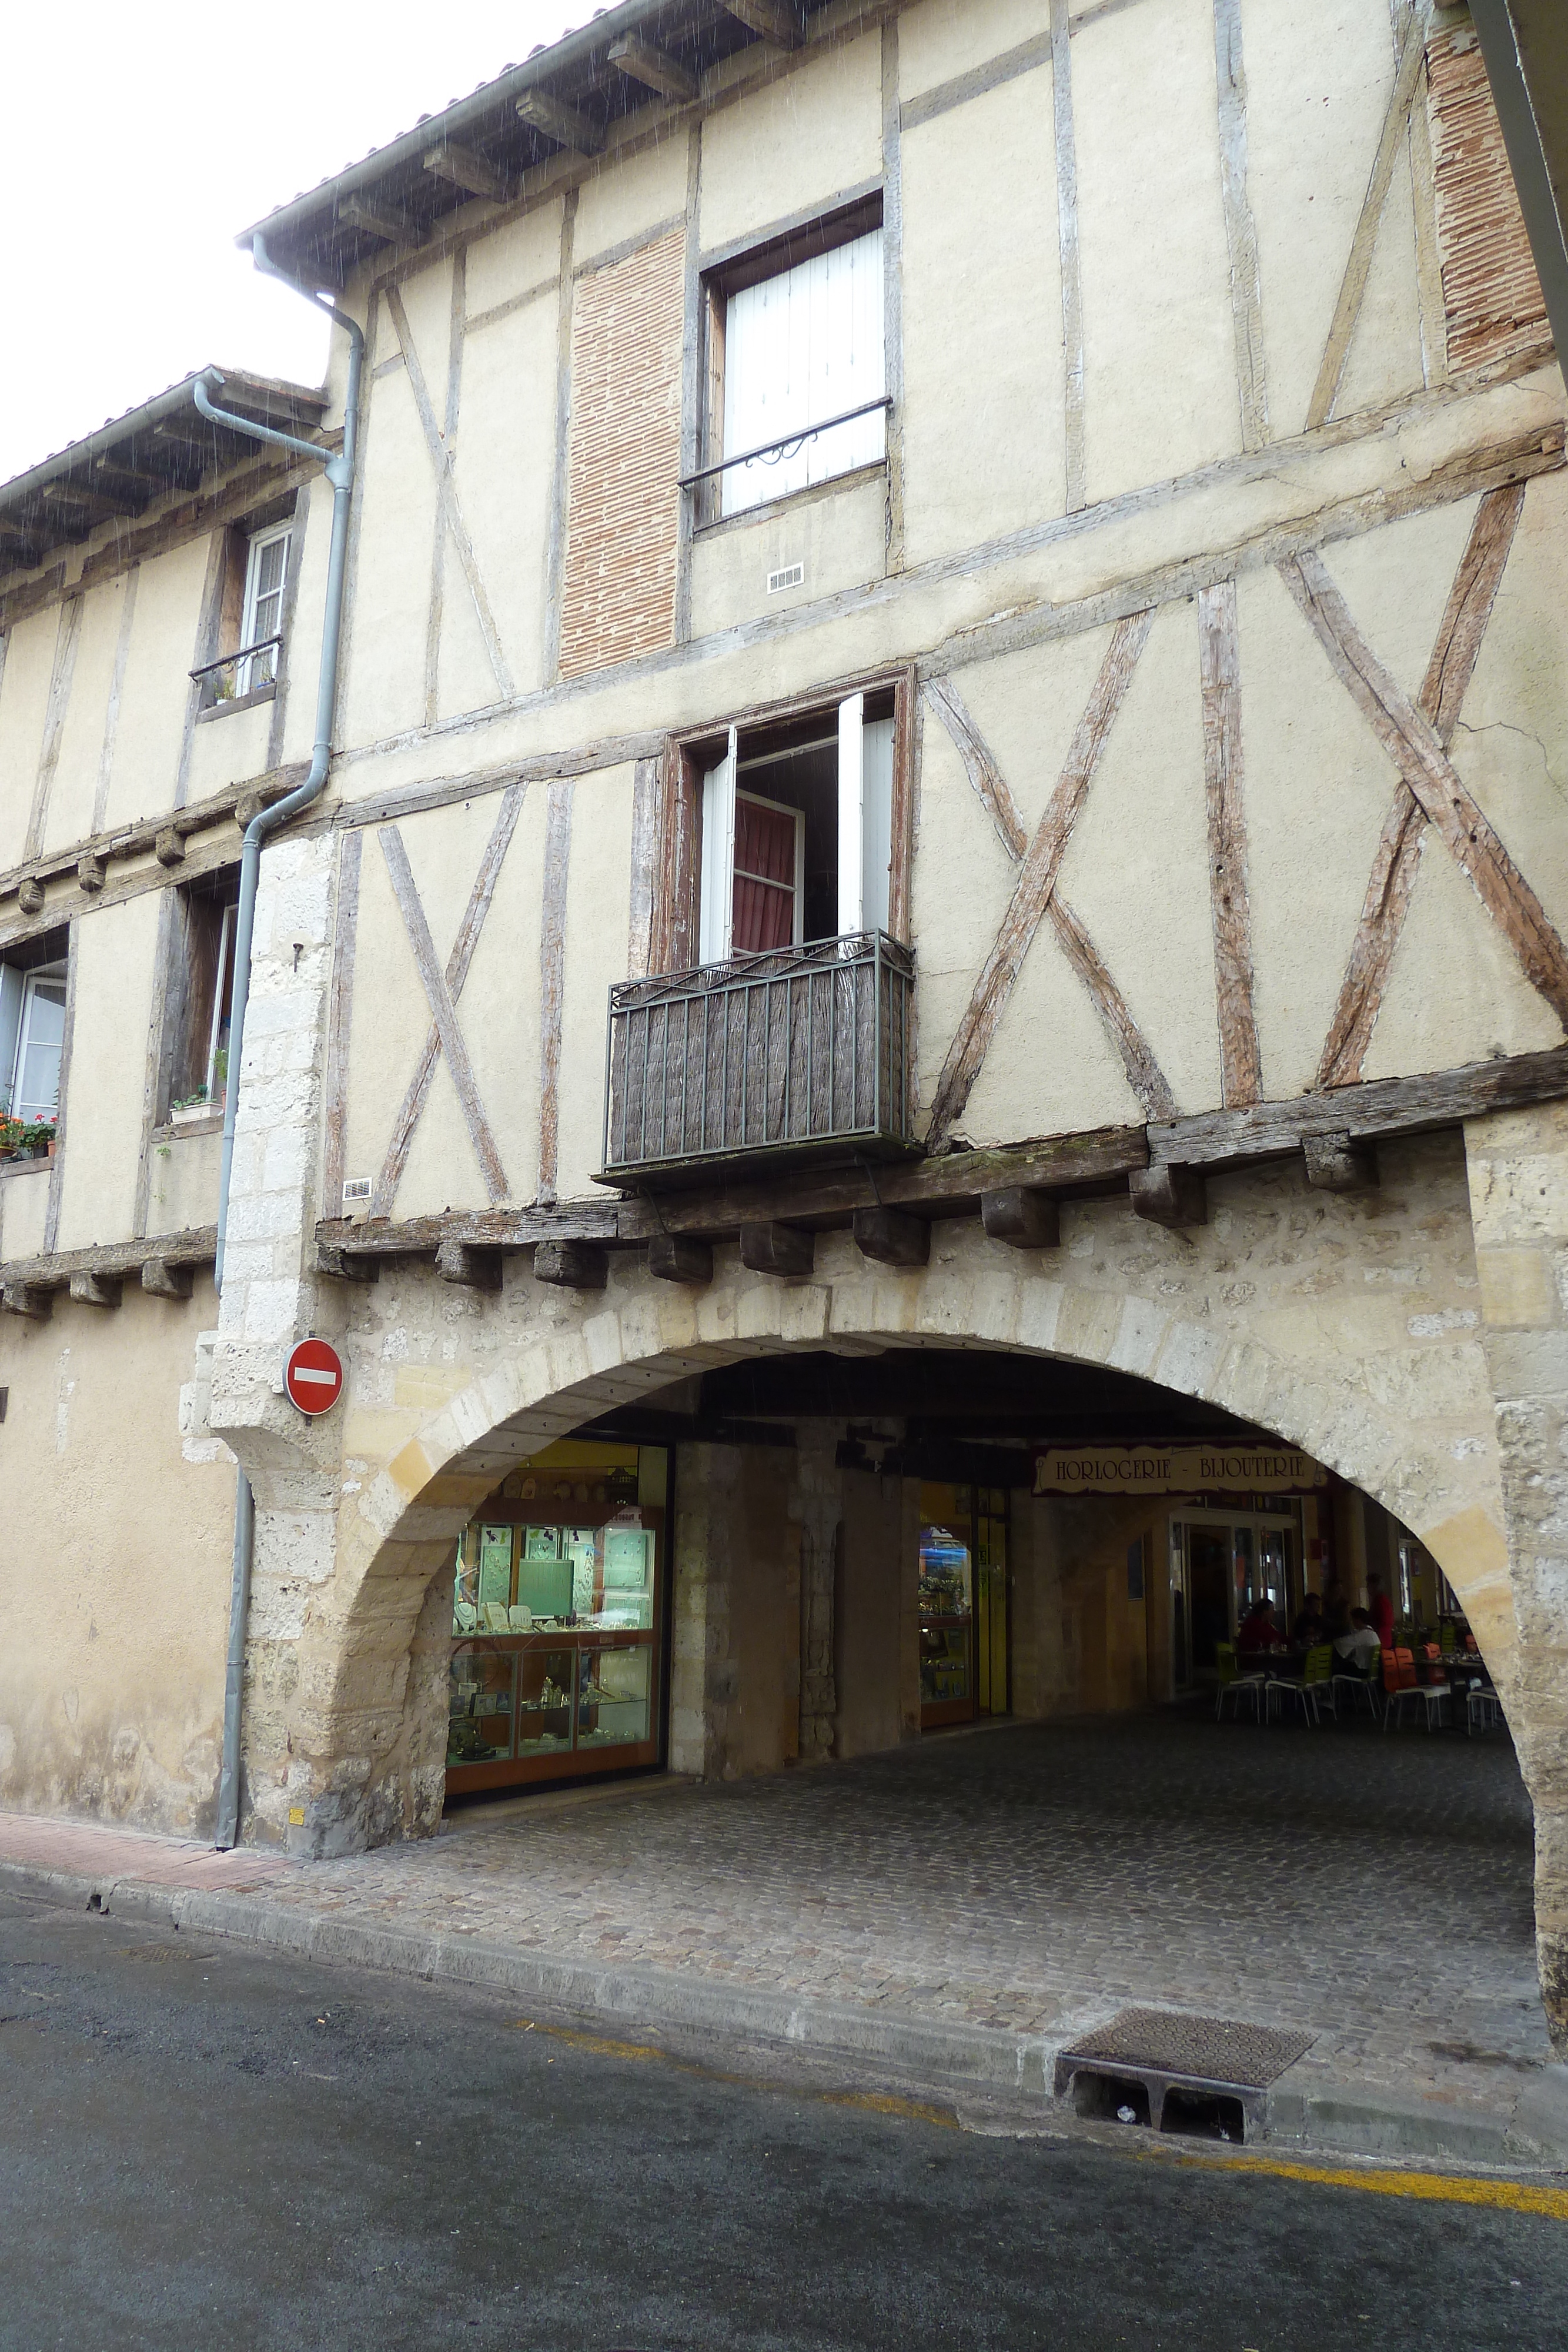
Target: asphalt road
[(202, 2147)]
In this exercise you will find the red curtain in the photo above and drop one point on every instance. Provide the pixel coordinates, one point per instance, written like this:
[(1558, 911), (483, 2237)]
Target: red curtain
[(764, 908)]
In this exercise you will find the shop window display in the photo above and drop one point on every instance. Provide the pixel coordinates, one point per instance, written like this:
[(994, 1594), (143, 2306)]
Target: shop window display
[(963, 1603), (555, 1632)]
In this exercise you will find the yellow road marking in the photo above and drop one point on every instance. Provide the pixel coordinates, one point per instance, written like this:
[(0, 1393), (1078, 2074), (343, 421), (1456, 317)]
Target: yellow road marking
[(1430, 2188), (879, 2102)]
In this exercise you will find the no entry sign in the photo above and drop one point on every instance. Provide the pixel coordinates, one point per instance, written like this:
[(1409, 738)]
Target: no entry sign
[(313, 1375)]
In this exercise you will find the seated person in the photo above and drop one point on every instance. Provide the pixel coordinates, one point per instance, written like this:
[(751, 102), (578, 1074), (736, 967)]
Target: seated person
[(1309, 1628), (1361, 1647), (1257, 1630)]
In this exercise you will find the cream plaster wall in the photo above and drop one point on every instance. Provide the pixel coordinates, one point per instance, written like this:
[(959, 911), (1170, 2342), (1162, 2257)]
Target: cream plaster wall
[(182, 1190), (115, 955), (503, 468), (874, 1568), (23, 1208), (509, 262), (383, 689), (629, 200), (1314, 115), (69, 813), (24, 704), (840, 537), (984, 438), (231, 746), (1159, 373), (112, 1622), (598, 942), (940, 39), (797, 143), (165, 633)]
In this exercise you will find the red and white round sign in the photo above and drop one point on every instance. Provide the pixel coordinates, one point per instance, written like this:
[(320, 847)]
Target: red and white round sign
[(313, 1375)]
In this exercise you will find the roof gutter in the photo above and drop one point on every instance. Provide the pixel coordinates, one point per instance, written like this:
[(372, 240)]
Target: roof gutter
[(575, 49), (340, 471)]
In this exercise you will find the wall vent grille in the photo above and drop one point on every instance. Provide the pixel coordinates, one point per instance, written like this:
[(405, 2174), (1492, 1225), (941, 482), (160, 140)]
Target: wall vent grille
[(356, 1187), (791, 577)]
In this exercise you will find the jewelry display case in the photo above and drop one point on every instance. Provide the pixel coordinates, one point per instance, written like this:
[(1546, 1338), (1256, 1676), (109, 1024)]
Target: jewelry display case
[(556, 1630)]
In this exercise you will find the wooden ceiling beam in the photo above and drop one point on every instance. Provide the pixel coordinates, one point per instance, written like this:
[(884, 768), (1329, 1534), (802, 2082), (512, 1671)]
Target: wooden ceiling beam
[(564, 124), (656, 71), (771, 20), (97, 505), (460, 167), (354, 213)]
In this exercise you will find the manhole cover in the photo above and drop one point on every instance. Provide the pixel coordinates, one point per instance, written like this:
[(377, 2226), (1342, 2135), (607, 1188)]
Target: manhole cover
[(1202, 2049)]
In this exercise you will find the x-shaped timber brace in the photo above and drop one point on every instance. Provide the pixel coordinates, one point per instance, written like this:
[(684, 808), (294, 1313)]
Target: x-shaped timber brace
[(1414, 734)]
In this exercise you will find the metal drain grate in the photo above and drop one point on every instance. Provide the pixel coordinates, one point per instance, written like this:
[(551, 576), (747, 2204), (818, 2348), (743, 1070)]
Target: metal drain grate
[(1192, 2049)]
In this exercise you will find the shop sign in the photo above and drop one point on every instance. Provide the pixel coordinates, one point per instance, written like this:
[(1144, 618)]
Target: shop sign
[(313, 1376), (1173, 1470)]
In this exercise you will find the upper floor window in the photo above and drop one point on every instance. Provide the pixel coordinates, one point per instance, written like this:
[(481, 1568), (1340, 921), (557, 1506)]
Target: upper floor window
[(797, 360), (32, 1031), (202, 1000), (266, 567), (797, 831), (247, 624)]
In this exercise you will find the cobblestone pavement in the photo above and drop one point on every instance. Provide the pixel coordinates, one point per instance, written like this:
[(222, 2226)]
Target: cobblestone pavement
[(1036, 1877)]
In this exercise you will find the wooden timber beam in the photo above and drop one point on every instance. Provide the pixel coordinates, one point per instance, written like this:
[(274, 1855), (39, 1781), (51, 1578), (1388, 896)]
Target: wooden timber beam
[(770, 20), (1169, 1195), (571, 1266), (26, 1300), (680, 1257), (197, 1246), (1022, 1217), (564, 124), (1333, 1130), (892, 1237), (473, 1269), (95, 1289), (162, 1279), (354, 213), (1335, 1164), (641, 61), (99, 505), (460, 167), (774, 1248)]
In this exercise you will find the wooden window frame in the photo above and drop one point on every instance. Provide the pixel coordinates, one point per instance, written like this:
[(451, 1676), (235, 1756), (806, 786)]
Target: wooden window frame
[(677, 872), (732, 275)]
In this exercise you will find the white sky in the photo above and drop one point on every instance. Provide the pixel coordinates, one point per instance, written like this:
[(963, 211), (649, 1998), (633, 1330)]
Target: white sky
[(139, 139)]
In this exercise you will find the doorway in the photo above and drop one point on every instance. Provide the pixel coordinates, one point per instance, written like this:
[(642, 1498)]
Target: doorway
[(1221, 1563), (963, 1593)]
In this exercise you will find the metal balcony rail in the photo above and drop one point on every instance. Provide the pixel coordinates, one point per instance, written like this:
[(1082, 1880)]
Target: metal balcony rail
[(226, 661), (787, 443), (767, 1055)]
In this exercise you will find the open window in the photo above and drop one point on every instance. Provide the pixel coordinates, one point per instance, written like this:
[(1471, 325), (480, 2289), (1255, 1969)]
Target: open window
[(797, 366), (202, 996), (33, 1028), (797, 831), (247, 624)]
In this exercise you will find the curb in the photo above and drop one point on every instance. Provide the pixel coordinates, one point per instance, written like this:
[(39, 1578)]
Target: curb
[(976, 2058)]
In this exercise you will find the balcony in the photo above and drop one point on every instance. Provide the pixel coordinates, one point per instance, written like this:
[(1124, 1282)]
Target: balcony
[(794, 1057)]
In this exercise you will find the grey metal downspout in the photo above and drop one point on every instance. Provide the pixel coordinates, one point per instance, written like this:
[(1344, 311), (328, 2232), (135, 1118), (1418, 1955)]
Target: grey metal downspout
[(340, 471)]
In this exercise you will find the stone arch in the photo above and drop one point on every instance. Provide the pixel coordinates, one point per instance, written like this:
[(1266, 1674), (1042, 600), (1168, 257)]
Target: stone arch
[(1400, 1407)]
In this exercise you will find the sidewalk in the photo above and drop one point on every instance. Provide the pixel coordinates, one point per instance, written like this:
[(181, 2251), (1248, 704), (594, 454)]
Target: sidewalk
[(959, 1910)]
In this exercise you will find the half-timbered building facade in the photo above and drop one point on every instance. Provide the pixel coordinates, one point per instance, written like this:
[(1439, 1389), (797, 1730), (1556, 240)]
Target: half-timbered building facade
[(945, 827)]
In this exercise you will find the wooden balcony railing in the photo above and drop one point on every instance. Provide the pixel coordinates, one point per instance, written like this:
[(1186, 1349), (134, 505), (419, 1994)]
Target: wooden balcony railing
[(797, 1052)]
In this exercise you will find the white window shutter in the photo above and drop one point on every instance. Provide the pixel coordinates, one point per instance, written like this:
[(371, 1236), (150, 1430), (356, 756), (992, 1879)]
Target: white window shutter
[(852, 815), (717, 913), (876, 824)]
